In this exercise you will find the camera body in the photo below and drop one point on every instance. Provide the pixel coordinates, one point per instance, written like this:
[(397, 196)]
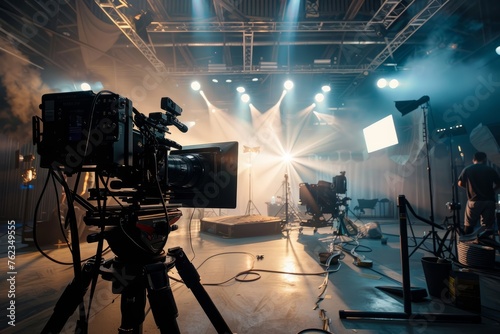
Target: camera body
[(83, 129)]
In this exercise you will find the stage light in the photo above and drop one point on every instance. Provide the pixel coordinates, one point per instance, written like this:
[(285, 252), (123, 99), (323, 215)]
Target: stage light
[(380, 134), (394, 83), (255, 79), (325, 88), (85, 86), (229, 80), (319, 97), (288, 84), (195, 85), (381, 83), (240, 89), (245, 98), (215, 80), (287, 158), (497, 50)]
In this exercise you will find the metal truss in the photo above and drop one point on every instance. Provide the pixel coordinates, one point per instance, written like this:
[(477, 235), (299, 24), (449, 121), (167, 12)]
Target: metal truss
[(123, 23), (432, 7)]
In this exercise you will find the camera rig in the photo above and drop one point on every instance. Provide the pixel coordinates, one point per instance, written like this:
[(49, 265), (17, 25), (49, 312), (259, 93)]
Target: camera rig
[(148, 177), (325, 198)]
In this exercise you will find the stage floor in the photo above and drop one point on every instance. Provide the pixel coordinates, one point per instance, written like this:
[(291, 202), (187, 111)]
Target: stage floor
[(280, 297)]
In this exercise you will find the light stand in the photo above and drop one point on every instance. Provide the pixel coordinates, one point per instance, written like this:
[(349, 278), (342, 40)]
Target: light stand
[(28, 175), (289, 208), (250, 204), (454, 206), (406, 107)]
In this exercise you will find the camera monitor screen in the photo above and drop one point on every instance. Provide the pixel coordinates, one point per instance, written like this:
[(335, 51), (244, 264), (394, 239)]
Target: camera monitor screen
[(380, 134)]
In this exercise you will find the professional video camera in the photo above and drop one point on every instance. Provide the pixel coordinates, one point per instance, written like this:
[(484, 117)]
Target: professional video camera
[(148, 175), (324, 198)]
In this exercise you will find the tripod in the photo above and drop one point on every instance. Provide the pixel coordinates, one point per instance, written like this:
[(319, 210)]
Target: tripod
[(288, 208), (140, 266), (437, 241), (250, 205), (150, 276)]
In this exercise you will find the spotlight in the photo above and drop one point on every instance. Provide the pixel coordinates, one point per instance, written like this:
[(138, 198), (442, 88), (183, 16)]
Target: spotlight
[(381, 83), (497, 50), (394, 83), (287, 157), (325, 88), (215, 80), (245, 98), (195, 85), (229, 80), (240, 89), (405, 107), (288, 84), (319, 97), (85, 86), (255, 79)]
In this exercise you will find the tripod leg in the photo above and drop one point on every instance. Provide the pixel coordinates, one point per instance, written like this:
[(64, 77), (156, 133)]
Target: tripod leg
[(69, 301), (421, 243), (161, 298), (133, 302), (191, 278)]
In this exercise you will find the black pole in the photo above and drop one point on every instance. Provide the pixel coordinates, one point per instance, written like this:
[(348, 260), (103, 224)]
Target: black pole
[(286, 198), (429, 176)]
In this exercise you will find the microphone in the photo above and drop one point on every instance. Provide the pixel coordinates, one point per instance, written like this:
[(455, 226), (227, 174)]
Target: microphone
[(422, 100)]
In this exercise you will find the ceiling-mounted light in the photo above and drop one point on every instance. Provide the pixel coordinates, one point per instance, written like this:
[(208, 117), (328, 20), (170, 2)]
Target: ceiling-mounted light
[(382, 83), (240, 89), (215, 80), (245, 98), (288, 84), (394, 83), (229, 80), (325, 88), (195, 85), (319, 97)]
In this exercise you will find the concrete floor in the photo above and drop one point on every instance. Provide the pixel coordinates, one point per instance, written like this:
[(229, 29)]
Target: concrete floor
[(281, 296)]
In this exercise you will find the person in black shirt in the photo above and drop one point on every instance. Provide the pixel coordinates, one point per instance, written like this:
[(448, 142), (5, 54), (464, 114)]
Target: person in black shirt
[(480, 181)]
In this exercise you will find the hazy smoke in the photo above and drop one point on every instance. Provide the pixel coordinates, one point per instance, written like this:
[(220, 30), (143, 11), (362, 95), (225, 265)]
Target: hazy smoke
[(22, 88)]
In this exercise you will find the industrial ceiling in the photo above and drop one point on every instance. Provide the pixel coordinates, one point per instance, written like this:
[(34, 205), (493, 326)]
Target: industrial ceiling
[(339, 42)]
